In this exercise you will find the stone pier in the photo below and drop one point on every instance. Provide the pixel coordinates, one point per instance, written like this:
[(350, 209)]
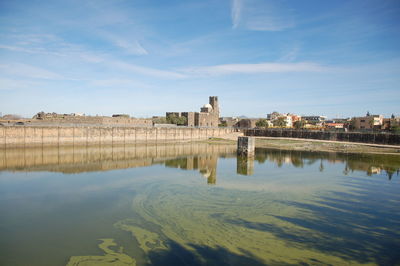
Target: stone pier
[(246, 146)]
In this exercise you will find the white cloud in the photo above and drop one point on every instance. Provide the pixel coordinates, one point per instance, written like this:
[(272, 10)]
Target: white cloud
[(261, 15), (255, 68)]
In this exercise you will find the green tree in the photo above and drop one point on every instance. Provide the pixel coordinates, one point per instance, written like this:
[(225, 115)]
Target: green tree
[(395, 129), (352, 124), (299, 124), (371, 122), (160, 120), (223, 124), (262, 123), (280, 122), (177, 120)]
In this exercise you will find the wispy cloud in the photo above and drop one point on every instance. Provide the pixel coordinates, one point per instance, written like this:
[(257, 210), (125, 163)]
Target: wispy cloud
[(28, 71), (31, 50), (261, 15), (43, 44), (165, 74), (260, 68), (235, 12), (118, 82), (12, 84), (128, 44), (290, 55), (78, 54)]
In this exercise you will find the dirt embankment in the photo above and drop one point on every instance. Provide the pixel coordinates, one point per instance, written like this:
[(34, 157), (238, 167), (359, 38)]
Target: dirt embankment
[(346, 147)]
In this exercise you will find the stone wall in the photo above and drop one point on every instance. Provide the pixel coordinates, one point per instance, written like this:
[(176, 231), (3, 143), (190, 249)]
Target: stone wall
[(31, 136), (362, 137), (95, 120)]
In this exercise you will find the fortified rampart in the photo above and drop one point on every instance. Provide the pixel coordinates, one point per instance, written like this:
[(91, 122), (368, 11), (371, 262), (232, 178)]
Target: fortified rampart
[(31, 135), (94, 120), (362, 137)]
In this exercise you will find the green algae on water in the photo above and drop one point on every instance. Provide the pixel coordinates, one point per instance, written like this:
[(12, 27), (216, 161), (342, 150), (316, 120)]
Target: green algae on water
[(111, 257)]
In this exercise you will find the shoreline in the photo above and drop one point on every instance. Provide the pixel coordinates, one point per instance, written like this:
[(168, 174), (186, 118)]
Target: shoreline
[(325, 146), (313, 145)]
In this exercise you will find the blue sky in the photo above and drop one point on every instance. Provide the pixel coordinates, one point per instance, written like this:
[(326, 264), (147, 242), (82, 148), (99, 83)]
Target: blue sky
[(334, 58)]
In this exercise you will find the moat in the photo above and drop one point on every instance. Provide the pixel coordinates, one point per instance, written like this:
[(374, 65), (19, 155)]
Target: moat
[(197, 204)]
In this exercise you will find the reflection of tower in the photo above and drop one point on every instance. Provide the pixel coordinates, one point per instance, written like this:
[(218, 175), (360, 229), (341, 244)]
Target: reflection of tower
[(245, 165), (208, 168), (212, 179)]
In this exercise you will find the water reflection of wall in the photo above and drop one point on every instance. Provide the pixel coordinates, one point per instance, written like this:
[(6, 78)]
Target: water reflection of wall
[(369, 163), (188, 156), (76, 159), (205, 164)]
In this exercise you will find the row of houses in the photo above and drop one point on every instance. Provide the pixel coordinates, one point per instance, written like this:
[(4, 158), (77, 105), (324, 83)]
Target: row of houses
[(288, 120)]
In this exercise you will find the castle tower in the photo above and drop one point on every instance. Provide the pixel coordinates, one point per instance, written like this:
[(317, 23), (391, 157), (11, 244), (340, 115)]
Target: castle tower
[(214, 103), (208, 115)]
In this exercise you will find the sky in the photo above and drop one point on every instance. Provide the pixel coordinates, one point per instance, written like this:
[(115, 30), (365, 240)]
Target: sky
[(336, 58)]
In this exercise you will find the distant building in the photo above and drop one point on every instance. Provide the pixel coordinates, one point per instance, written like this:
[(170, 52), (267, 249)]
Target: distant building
[(294, 117), (247, 123), (229, 121), (121, 115), (207, 117), (368, 122), (338, 120), (395, 121), (78, 114), (390, 123), (386, 124), (316, 119), (334, 125), (287, 119), (273, 116)]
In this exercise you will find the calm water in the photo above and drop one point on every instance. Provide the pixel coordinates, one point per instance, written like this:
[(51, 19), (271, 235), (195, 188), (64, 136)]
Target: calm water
[(197, 204)]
